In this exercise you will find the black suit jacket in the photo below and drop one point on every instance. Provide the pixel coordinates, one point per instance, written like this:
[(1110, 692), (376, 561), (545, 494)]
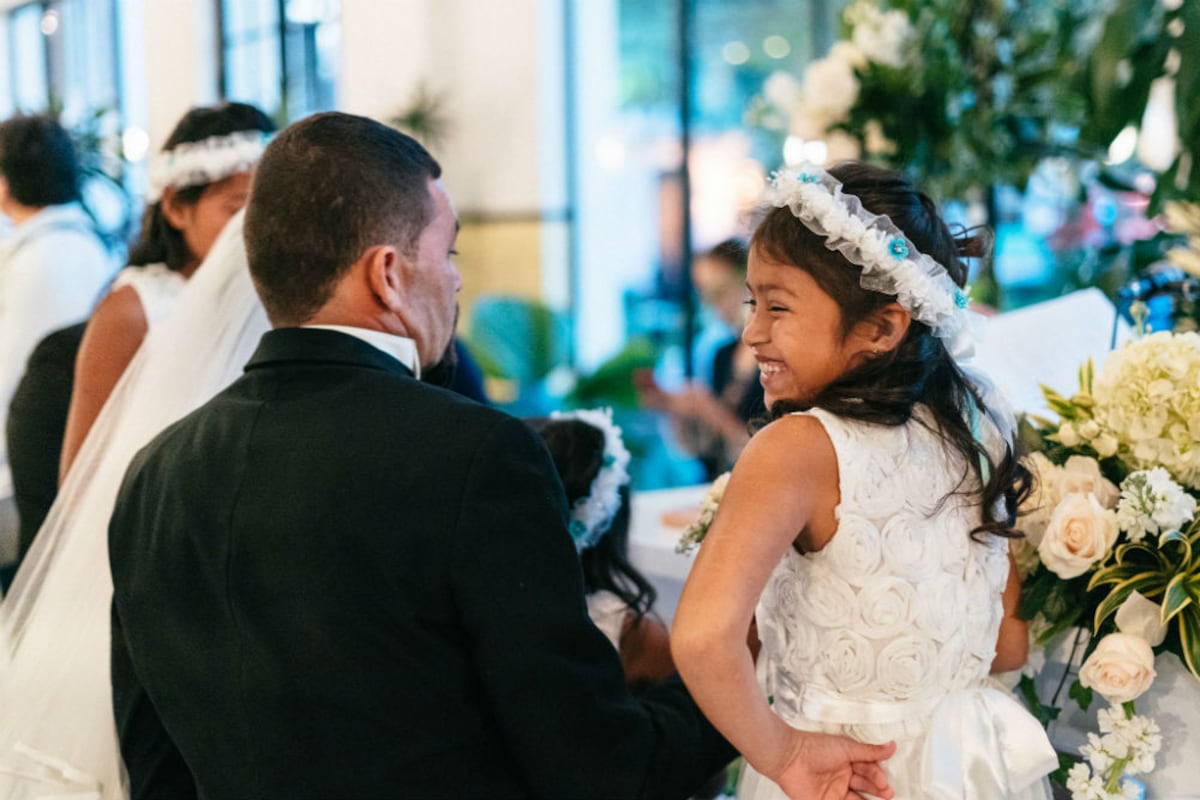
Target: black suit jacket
[(335, 581)]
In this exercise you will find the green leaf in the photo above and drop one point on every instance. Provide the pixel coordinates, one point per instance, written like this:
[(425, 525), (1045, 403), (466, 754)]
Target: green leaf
[(1080, 694), (1148, 583), (1189, 637), (1175, 598)]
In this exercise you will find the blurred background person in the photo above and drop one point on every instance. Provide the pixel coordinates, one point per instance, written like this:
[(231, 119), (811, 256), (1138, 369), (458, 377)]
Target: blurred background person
[(711, 419), (53, 263), (199, 181)]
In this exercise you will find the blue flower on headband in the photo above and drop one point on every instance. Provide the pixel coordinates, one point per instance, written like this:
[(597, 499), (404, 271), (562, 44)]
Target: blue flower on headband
[(807, 177), (898, 248), (960, 299)]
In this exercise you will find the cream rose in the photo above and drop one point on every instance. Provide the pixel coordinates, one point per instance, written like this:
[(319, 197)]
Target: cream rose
[(1080, 533), (1035, 513), (1121, 668), (1082, 474)]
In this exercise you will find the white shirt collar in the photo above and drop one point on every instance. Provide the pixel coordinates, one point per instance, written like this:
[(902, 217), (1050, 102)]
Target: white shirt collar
[(401, 348)]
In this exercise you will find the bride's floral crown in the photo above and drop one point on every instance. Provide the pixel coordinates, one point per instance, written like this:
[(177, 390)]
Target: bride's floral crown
[(592, 515), (206, 161), (890, 263)]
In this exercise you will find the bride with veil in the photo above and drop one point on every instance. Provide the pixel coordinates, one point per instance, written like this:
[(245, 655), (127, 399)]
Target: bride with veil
[(57, 733)]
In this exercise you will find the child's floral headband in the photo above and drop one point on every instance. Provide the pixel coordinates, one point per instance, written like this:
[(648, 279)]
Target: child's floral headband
[(591, 516), (206, 161), (890, 263)]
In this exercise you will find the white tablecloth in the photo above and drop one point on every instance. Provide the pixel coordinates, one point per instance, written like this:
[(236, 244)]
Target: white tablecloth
[(652, 543)]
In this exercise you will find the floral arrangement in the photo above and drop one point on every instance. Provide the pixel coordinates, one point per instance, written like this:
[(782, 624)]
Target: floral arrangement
[(1112, 547), (963, 95), (691, 537)]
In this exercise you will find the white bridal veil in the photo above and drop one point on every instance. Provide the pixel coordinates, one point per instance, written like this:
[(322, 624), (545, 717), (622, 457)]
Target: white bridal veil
[(57, 734)]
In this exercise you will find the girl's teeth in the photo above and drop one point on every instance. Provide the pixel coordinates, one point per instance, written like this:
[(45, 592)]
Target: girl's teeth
[(769, 369)]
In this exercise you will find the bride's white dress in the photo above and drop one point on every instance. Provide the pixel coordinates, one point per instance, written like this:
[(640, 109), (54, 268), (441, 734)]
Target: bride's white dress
[(889, 631), (57, 733)]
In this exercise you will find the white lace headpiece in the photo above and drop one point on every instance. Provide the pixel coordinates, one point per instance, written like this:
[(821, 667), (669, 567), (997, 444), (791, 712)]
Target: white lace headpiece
[(592, 515), (206, 161), (890, 263)]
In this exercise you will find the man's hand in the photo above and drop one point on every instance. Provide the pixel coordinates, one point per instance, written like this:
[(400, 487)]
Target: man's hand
[(823, 767)]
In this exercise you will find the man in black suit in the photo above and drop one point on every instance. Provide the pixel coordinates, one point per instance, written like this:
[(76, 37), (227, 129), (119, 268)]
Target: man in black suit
[(333, 580)]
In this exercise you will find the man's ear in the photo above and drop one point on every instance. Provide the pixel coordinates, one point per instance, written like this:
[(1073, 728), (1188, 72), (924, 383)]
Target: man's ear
[(886, 327), (385, 269)]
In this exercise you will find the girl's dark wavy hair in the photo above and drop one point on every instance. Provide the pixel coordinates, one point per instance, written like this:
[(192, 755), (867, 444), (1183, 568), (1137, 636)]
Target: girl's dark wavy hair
[(884, 389), (159, 241), (578, 452)]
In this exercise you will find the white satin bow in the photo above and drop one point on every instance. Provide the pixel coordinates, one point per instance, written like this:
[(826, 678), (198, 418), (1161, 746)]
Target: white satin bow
[(983, 744)]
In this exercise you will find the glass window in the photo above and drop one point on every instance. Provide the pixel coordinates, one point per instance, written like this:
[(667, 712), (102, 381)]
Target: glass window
[(62, 56), (281, 54), (636, 106)]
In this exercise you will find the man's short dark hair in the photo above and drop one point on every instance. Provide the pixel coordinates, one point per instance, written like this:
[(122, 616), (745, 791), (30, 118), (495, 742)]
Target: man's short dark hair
[(327, 188), (38, 159)]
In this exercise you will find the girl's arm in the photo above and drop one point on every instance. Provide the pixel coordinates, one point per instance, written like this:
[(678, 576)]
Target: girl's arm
[(645, 651), (113, 335), (1012, 644), (784, 485)]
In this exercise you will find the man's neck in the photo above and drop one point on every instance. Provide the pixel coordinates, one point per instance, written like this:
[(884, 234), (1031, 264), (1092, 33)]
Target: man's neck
[(19, 213)]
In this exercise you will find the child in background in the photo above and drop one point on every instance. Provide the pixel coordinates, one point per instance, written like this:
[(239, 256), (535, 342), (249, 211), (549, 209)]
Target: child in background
[(592, 461)]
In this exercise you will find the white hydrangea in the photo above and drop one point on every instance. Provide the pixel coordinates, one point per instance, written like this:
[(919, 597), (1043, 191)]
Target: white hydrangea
[(882, 35), (1152, 503), (1147, 396)]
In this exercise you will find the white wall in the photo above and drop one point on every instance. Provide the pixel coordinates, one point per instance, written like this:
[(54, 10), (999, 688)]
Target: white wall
[(483, 58)]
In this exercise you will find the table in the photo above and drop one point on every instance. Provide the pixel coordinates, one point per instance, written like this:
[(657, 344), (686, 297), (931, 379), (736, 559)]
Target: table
[(652, 543)]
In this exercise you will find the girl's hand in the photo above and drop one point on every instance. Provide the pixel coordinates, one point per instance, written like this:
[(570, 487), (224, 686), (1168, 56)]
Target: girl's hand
[(823, 767)]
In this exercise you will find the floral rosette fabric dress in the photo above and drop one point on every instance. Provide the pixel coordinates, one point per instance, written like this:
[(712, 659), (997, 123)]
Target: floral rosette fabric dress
[(889, 631)]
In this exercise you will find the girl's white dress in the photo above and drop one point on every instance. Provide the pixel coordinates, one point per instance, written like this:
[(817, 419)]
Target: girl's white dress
[(889, 631)]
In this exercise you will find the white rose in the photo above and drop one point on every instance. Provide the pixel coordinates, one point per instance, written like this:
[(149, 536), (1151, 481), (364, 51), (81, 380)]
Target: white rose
[(886, 607), (1121, 668), (1080, 533), (938, 607), (1068, 435), (908, 549), (1106, 445), (854, 554), (848, 660), (1089, 429), (905, 665), (1142, 617), (829, 599), (1082, 474)]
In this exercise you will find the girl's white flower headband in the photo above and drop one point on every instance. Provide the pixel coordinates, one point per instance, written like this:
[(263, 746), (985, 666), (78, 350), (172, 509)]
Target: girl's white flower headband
[(890, 263), (591, 516), (206, 161)]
